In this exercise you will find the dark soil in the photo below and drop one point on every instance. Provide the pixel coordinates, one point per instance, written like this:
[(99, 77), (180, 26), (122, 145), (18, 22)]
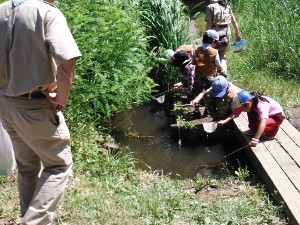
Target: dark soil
[(295, 117)]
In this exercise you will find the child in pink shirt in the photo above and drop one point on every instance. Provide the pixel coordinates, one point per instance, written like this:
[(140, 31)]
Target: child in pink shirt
[(264, 115)]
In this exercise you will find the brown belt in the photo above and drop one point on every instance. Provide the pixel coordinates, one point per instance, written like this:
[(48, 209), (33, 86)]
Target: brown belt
[(35, 94), (220, 26)]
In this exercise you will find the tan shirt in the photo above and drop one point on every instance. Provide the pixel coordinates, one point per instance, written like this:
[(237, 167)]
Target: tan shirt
[(218, 14), (34, 41)]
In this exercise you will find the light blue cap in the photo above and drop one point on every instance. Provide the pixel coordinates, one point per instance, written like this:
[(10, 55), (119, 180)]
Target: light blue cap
[(170, 53), (212, 34)]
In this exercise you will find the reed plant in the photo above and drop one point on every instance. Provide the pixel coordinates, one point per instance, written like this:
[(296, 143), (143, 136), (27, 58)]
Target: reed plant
[(166, 24)]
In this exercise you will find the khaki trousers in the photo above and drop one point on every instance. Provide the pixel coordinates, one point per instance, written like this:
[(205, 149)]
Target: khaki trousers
[(40, 136)]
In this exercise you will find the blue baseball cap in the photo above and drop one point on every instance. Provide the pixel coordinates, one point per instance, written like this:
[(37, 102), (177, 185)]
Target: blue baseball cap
[(244, 97), (219, 87), (212, 34)]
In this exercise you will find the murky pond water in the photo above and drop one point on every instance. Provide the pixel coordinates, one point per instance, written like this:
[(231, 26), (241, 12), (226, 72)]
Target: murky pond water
[(155, 144)]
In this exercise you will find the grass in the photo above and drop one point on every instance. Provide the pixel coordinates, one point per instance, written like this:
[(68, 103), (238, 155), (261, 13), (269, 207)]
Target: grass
[(139, 197), (272, 35)]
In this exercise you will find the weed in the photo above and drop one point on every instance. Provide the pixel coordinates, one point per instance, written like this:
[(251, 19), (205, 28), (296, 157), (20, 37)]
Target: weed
[(242, 173)]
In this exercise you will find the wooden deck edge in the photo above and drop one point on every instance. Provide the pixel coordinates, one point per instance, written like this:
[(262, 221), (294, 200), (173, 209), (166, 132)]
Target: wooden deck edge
[(291, 205)]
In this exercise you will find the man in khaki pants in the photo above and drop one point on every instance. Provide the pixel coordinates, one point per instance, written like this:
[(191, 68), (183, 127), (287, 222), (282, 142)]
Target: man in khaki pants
[(37, 54)]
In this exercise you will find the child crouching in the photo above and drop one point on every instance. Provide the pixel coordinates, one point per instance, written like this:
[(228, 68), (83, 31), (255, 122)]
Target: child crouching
[(264, 115)]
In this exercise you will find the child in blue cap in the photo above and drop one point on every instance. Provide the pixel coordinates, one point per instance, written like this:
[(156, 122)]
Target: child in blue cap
[(218, 97), (207, 61), (264, 115)]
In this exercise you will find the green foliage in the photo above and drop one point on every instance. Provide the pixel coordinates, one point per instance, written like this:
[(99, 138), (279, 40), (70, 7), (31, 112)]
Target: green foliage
[(112, 74), (242, 173), (166, 22), (149, 198)]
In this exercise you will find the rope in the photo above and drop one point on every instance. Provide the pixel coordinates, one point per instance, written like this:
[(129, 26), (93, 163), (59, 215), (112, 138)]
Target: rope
[(160, 94), (236, 151)]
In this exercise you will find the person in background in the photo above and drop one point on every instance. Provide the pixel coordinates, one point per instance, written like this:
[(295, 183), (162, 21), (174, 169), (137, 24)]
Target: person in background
[(206, 60), (264, 115), (218, 97), (218, 17), (37, 55)]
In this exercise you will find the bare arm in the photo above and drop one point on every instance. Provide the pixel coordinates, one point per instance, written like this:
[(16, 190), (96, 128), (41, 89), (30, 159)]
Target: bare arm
[(259, 132), (198, 98), (222, 122), (238, 36), (65, 78)]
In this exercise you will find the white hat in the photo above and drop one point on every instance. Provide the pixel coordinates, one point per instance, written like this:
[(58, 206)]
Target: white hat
[(170, 53)]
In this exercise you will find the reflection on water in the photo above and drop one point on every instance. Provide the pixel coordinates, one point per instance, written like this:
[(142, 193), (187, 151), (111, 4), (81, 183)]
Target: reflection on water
[(147, 131)]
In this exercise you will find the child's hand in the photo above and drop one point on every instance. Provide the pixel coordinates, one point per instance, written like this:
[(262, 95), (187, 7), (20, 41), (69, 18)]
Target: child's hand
[(193, 102), (253, 142), (221, 122), (176, 89)]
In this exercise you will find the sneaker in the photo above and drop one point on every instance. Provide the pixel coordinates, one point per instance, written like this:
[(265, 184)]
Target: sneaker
[(250, 132), (271, 137)]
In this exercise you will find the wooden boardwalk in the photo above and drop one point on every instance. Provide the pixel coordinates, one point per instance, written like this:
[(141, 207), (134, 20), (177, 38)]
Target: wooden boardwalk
[(278, 163)]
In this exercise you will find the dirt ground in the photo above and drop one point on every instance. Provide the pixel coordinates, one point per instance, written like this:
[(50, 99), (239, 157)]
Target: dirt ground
[(295, 117)]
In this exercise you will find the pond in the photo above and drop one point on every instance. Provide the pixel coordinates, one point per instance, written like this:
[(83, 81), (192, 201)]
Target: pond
[(181, 153)]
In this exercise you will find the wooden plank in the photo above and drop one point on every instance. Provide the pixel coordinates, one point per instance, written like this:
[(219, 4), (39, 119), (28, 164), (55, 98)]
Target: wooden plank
[(289, 145), (277, 179), (287, 164), (271, 172), (292, 132)]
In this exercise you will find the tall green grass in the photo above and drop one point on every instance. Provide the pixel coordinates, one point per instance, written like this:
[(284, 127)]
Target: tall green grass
[(272, 31), (166, 24)]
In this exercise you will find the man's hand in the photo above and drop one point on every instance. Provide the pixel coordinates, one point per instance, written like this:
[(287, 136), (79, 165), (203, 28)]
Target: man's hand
[(65, 78), (52, 96)]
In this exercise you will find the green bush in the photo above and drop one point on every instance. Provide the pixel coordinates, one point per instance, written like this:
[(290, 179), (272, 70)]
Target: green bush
[(112, 74)]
